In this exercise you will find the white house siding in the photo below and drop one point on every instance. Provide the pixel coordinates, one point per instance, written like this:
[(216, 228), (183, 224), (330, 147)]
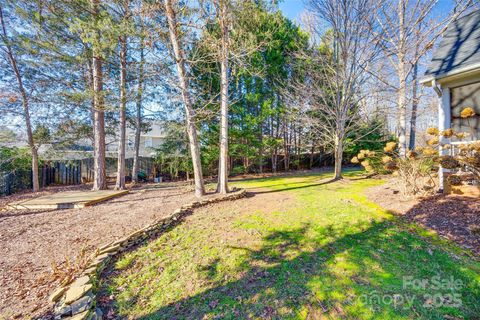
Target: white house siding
[(444, 122)]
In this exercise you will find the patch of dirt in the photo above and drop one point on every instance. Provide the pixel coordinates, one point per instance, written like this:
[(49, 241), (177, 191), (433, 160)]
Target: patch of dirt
[(390, 197), (453, 217), (33, 241), (259, 199)]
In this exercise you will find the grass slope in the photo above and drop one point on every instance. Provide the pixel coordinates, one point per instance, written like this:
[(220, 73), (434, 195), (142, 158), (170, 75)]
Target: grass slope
[(328, 253)]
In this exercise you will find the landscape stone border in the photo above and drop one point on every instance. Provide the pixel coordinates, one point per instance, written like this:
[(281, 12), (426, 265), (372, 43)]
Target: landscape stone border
[(77, 300)]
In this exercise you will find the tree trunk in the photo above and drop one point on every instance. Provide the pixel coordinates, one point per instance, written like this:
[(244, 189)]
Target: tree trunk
[(413, 117), (312, 152), (223, 160), (285, 145), (99, 173), (120, 183), (299, 147), (402, 89), (260, 149), (275, 149), (138, 117), (25, 105), (190, 115), (260, 156), (89, 86), (35, 183), (402, 139), (293, 135), (338, 156), (274, 160)]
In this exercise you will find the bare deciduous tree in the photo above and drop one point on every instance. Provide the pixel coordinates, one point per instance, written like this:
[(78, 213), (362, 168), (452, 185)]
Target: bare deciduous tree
[(333, 87), (398, 33)]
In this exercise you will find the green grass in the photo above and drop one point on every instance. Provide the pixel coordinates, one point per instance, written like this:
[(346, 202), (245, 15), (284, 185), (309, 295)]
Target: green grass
[(328, 253)]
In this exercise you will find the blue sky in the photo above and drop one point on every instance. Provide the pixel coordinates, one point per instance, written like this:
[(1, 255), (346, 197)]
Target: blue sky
[(293, 8)]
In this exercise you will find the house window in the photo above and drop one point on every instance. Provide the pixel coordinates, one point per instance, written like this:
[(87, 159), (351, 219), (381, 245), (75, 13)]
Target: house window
[(461, 98), (148, 142)]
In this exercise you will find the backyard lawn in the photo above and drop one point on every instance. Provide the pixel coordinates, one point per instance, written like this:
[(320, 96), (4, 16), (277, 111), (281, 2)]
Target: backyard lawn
[(303, 247)]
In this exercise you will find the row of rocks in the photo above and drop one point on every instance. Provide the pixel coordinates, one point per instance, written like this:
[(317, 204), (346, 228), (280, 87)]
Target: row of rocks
[(77, 300)]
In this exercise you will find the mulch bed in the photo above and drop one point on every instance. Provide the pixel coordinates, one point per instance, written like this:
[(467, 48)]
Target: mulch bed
[(454, 217), (39, 247)]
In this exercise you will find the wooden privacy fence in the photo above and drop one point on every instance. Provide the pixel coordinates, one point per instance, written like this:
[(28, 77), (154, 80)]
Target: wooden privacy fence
[(14, 181), (65, 173), (52, 173), (144, 164)]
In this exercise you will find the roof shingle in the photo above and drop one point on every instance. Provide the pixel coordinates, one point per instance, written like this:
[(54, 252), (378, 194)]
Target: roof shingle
[(459, 48)]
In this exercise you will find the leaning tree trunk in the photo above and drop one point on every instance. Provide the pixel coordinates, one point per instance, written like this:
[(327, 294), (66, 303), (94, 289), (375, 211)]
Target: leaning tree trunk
[(120, 183), (223, 160), (25, 104), (99, 173), (184, 86), (138, 117)]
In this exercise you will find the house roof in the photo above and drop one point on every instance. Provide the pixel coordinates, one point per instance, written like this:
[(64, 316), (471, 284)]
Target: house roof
[(459, 50)]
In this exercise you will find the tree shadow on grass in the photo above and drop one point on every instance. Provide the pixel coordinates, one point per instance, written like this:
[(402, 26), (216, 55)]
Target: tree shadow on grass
[(317, 272), (309, 185)]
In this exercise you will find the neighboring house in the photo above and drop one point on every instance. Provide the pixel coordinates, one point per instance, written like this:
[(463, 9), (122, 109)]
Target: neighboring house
[(83, 150), (149, 141), (454, 74)]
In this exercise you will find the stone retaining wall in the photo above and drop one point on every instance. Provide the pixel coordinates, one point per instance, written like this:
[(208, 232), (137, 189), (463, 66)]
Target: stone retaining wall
[(76, 301)]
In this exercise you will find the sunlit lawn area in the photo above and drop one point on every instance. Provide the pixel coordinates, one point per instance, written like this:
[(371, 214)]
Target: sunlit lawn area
[(327, 253)]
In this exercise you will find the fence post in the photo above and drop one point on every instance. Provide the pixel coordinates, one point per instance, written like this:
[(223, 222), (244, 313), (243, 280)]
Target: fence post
[(79, 172), (50, 172), (74, 174), (44, 175)]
